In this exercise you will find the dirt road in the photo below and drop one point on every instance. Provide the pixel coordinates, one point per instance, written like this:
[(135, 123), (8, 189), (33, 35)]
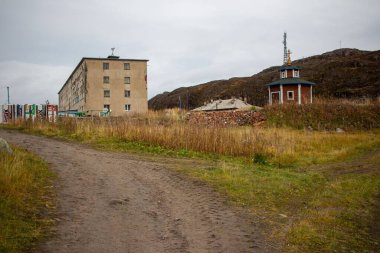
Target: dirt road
[(113, 202)]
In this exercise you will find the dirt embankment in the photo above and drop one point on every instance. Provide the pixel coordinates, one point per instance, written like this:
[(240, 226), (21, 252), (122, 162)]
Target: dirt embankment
[(113, 202)]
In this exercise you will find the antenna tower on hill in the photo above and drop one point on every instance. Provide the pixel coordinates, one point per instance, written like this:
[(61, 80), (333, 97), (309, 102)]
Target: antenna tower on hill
[(285, 60)]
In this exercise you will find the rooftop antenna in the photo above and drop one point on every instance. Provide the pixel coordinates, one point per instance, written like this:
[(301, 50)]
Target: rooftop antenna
[(113, 49), (285, 60)]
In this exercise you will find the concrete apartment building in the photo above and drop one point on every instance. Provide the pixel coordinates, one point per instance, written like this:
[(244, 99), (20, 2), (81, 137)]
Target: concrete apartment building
[(100, 84)]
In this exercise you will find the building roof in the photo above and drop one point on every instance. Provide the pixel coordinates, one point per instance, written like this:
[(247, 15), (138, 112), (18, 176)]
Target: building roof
[(227, 104), (112, 58), (100, 59), (289, 68), (286, 81)]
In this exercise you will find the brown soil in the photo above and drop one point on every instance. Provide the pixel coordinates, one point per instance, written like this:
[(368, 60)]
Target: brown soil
[(115, 202)]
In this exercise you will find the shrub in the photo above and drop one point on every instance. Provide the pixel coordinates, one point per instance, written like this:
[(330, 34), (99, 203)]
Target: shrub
[(324, 115)]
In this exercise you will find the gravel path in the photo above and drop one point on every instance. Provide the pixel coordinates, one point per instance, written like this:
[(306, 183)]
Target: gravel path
[(114, 202)]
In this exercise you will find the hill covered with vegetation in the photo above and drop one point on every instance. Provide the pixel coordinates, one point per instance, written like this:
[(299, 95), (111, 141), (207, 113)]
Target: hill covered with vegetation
[(342, 73)]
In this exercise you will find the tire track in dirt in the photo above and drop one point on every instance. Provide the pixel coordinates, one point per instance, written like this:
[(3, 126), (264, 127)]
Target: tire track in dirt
[(114, 202)]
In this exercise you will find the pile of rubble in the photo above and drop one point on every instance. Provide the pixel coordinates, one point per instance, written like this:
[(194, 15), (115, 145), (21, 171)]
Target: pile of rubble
[(226, 118)]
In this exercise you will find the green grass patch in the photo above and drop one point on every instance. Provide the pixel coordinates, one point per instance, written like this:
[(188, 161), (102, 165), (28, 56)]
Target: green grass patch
[(145, 148), (261, 187), (308, 211), (338, 218), (26, 200)]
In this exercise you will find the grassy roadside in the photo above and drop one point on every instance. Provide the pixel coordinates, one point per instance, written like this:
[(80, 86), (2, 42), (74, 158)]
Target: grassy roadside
[(310, 210), (26, 200), (308, 205)]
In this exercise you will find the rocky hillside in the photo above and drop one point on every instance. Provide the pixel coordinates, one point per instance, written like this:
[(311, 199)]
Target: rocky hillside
[(349, 73)]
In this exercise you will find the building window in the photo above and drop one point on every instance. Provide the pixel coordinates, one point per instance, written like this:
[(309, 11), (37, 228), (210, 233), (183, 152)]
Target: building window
[(296, 73), (127, 107), (106, 79), (107, 107), (107, 93), (127, 93), (106, 65), (127, 80), (283, 74), (290, 95), (127, 66)]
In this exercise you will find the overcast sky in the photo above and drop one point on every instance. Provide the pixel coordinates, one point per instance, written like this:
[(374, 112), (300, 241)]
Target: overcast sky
[(187, 42)]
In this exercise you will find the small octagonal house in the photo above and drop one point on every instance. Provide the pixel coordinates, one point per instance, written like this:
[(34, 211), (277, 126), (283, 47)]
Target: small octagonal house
[(290, 88)]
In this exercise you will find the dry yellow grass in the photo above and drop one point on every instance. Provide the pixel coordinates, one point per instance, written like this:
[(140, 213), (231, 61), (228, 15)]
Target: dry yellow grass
[(169, 130)]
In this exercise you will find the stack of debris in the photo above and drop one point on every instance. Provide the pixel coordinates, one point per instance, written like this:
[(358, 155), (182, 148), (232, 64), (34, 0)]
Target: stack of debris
[(226, 118)]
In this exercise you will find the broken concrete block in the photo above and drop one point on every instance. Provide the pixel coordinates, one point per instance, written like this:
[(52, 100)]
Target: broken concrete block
[(4, 147)]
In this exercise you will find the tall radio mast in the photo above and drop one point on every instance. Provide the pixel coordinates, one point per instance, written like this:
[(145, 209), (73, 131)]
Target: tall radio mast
[(285, 51)]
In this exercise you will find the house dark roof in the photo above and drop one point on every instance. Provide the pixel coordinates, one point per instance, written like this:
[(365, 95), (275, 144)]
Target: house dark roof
[(100, 59), (286, 81), (289, 68)]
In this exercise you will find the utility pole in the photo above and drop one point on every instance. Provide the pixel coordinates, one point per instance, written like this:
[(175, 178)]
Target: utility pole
[(187, 99), (8, 94)]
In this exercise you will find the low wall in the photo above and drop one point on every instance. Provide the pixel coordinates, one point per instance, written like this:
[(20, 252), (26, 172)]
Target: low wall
[(226, 118), (11, 112)]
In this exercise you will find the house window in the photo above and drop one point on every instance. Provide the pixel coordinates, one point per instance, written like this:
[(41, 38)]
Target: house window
[(107, 93), (127, 66), (106, 65), (283, 74), (106, 79), (107, 107), (290, 95), (127, 80), (127, 93), (296, 73), (127, 107)]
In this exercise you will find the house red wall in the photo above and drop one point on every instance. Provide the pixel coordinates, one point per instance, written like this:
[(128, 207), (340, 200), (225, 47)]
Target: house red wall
[(285, 90), (275, 89), (305, 93)]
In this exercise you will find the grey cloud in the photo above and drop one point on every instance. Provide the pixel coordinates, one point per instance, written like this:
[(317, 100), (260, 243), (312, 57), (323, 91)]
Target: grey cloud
[(187, 42), (31, 83)]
